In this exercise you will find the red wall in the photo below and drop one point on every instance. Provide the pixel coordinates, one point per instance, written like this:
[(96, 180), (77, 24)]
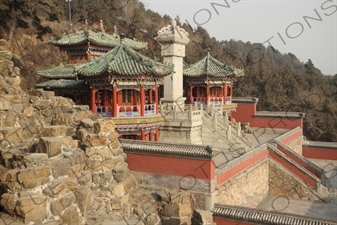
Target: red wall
[(200, 169), (241, 167), (319, 153), (245, 112), (299, 161)]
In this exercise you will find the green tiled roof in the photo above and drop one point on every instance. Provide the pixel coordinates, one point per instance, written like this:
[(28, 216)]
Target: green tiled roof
[(61, 84), (62, 71), (99, 39), (124, 61), (209, 66)]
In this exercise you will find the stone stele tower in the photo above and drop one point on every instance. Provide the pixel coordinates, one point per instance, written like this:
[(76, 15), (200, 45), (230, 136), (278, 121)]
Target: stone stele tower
[(173, 39)]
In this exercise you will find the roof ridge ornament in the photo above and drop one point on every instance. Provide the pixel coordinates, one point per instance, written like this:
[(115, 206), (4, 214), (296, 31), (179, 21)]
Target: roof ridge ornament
[(86, 25), (101, 26), (122, 37)]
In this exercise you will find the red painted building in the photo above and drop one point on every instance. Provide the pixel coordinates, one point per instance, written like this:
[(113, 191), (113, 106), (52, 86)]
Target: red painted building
[(81, 47), (124, 85), (209, 81)]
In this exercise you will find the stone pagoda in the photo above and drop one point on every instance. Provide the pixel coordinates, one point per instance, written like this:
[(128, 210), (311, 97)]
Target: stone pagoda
[(173, 40)]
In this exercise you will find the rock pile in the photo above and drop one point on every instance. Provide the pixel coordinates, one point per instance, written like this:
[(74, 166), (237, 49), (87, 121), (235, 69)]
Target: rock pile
[(59, 162)]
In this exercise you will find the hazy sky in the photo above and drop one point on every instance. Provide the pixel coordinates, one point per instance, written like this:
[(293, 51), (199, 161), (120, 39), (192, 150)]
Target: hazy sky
[(307, 29)]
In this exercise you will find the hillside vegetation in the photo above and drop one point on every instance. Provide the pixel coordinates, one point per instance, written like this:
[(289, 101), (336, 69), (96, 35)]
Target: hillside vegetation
[(280, 81)]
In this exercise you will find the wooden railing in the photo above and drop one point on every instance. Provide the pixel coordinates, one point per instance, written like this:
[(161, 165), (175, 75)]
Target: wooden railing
[(105, 111), (128, 111), (150, 109)]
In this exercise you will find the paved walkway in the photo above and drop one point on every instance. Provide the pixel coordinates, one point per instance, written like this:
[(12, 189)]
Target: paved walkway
[(263, 135), (281, 204), (330, 170)]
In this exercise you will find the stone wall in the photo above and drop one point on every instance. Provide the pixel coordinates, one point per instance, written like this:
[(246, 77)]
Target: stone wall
[(177, 134), (248, 188), (188, 182), (282, 183)]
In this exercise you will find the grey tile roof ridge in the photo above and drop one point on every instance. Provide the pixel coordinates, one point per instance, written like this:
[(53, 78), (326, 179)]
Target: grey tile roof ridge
[(61, 83), (167, 149), (279, 114), (245, 100), (321, 144), (265, 217)]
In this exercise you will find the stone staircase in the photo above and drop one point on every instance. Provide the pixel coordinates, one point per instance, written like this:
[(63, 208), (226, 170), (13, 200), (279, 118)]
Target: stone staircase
[(219, 132)]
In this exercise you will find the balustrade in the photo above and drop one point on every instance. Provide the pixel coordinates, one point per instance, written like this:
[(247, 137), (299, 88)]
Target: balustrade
[(105, 111), (150, 109), (128, 111), (228, 100), (216, 100)]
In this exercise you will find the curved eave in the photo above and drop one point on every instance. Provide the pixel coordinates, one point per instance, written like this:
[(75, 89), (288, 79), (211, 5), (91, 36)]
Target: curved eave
[(70, 76), (68, 43), (57, 72), (85, 73), (54, 84)]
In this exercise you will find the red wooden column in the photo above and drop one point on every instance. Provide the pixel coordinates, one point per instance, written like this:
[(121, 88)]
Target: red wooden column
[(157, 134), (224, 93), (114, 100), (142, 135), (191, 93), (156, 94), (93, 100), (150, 136), (208, 93), (142, 101), (104, 100), (231, 93), (150, 96)]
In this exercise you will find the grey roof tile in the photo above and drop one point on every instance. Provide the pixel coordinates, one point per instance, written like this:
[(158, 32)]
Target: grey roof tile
[(157, 148), (264, 217)]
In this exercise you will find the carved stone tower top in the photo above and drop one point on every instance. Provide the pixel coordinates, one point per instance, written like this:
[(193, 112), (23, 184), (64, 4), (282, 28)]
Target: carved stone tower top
[(173, 40)]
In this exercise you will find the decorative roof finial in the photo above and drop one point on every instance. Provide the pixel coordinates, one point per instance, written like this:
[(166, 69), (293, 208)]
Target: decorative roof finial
[(101, 26), (86, 24), (208, 51), (173, 23), (115, 29), (122, 37)]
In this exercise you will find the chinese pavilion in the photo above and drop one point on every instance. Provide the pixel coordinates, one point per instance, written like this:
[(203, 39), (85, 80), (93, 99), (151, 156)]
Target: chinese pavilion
[(210, 82), (87, 44), (81, 46), (124, 85)]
